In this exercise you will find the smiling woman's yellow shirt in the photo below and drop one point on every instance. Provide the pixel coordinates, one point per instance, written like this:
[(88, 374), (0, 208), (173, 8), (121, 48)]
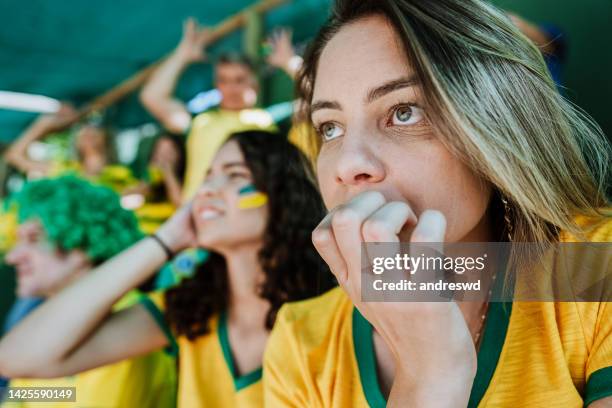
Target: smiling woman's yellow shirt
[(533, 354), (207, 375)]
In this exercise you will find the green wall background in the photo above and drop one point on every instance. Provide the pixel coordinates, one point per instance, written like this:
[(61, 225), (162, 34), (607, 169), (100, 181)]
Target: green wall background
[(588, 72)]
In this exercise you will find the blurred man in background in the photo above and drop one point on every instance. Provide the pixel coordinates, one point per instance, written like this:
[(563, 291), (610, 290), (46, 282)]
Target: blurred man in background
[(235, 79), (66, 226)]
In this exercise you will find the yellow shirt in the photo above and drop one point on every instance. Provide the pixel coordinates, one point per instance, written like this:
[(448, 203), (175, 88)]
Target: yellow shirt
[(207, 376), (151, 215), (208, 132), (533, 354), (114, 176), (146, 381)]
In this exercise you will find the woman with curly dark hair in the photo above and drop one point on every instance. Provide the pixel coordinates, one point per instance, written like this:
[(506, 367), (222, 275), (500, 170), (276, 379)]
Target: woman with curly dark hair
[(255, 213)]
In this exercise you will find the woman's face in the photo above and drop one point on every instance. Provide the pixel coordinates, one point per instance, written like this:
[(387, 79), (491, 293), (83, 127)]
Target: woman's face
[(165, 153), (367, 109), (221, 224), (91, 140)]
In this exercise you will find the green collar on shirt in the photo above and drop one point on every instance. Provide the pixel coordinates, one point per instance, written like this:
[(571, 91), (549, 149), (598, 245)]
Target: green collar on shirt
[(158, 315), (498, 318), (242, 381)]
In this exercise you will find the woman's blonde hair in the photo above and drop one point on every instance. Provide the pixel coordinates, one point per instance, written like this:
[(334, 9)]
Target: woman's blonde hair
[(491, 100)]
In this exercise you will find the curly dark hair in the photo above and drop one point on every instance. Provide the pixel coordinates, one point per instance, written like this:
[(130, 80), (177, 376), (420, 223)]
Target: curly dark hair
[(293, 269)]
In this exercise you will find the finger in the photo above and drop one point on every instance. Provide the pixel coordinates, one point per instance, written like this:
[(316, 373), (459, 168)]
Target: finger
[(385, 223), (346, 224), (428, 239), (188, 26), (381, 231), (431, 227), (325, 243), (430, 230)]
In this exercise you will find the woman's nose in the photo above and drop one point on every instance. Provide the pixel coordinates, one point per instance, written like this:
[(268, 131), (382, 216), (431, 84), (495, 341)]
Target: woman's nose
[(211, 186), (358, 164)]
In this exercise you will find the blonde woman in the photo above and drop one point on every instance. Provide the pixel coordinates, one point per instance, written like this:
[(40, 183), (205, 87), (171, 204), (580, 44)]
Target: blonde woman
[(439, 122)]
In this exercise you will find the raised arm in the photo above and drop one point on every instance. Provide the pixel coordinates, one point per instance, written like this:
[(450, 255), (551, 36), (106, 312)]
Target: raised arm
[(17, 153), (158, 93), (173, 186), (75, 330), (283, 55)]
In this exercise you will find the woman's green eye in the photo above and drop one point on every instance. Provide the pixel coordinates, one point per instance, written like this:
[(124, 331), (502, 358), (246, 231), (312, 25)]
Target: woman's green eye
[(330, 131), (407, 115), (403, 114)]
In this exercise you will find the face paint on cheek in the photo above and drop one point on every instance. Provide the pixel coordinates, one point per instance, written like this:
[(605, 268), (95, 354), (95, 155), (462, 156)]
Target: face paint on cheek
[(251, 198)]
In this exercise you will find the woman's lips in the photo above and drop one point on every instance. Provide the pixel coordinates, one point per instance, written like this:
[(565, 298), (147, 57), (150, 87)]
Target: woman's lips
[(209, 213)]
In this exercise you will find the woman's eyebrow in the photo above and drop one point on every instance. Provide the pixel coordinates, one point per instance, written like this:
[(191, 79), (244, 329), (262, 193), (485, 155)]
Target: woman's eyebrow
[(226, 166), (389, 87), (318, 105), (372, 95), (234, 164)]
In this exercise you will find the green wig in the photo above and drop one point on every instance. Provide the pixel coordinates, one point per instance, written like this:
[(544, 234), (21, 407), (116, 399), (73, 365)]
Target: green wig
[(76, 214)]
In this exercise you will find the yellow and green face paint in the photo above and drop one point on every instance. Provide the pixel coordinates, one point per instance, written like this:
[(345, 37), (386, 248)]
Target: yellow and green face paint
[(251, 198)]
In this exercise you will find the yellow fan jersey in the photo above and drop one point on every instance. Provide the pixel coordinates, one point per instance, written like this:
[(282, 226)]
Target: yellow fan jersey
[(151, 215), (533, 354), (209, 130), (207, 374), (114, 176), (148, 381)]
